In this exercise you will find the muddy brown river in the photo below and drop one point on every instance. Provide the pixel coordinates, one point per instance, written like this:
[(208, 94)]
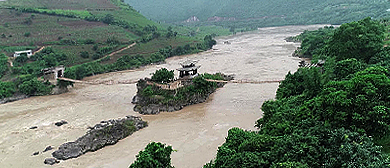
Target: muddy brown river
[(195, 132)]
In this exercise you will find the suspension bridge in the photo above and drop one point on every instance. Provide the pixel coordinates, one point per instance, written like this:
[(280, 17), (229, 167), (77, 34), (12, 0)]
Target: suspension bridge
[(170, 86)]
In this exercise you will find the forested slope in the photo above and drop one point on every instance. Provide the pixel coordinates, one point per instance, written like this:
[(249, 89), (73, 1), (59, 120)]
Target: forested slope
[(259, 13)]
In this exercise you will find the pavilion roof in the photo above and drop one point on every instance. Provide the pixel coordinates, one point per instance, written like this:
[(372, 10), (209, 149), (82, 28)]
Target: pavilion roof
[(189, 68), (188, 63)]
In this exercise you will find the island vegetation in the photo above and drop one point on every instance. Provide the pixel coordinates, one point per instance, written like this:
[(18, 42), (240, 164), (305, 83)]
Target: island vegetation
[(161, 93), (331, 116)]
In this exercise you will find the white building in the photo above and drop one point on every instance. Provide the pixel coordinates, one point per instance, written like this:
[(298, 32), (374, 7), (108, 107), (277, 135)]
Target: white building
[(28, 52)]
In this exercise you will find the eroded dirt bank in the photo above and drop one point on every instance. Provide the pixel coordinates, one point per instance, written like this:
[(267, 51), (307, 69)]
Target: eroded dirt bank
[(195, 131)]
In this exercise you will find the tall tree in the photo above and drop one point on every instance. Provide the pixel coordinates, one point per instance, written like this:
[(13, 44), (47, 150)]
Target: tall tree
[(163, 75), (3, 64)]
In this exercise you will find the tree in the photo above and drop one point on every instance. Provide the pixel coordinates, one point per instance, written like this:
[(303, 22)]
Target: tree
[(361, 103), (84, 54), (305, 81), (34, 87), (21, 59), (3, 64), (345, 69), (7, 89), (311, 144), (170, 32), (209, 41), (27, 34), (201, 85), (50, 60), (313, 42), (163, 75), (108, 19), (360, 40), (155, 155)]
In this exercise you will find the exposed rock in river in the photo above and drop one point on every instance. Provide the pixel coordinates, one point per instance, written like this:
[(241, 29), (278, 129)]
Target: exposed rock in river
[(13, 98), (103, 134), (60, 123), (51, 161), (48, 148)]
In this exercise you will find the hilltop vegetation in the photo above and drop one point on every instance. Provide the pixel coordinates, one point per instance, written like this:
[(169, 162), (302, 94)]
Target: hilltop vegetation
[(260, 13)]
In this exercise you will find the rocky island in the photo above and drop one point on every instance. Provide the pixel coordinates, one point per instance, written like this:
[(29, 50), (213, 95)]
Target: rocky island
[(162, 93), (102, 134)]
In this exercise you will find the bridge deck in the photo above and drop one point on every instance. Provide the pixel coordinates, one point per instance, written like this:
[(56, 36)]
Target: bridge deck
[(171, 86)]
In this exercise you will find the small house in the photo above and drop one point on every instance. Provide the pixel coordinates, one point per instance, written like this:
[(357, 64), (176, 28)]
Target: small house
[(53, 73), (189, 69), (27, 52)]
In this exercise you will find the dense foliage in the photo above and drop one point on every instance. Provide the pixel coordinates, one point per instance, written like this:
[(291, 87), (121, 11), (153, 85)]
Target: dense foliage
[(312, 42), (3, 64), (331, 116), (7, 89), (163, 75), (155, 155), (360, 40), (197, 88), (136, 60), (27, 72)]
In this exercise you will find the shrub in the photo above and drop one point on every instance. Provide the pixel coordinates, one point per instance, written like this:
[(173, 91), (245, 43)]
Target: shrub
[(34, 87), (27, 34), (97, 56), (3, 64), (7, 89), (163, 75), (84, 54), (89, 41), (95, 47), (22, 58)]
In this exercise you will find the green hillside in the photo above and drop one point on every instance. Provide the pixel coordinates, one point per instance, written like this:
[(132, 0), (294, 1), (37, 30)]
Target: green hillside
[(88, 37), (259, 13)]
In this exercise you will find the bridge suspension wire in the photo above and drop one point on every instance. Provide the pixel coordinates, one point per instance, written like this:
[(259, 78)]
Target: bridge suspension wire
[(245, 81), (105, 82), (112, 82)]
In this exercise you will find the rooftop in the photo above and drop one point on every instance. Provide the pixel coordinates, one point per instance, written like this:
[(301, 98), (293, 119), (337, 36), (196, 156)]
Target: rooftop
[(189, 68), (188, 63), (19, 52)]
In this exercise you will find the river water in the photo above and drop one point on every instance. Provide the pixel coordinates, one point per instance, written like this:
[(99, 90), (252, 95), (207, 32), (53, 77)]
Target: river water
[(195, 132)]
